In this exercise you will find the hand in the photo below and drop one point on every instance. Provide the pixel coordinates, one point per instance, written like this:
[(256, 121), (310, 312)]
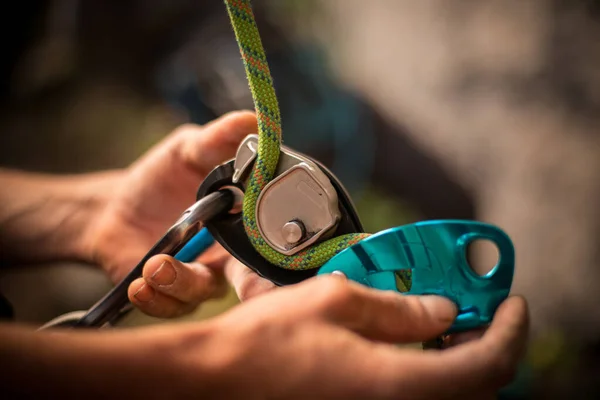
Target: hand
[(323, 338), (146, 200), (331, 338)]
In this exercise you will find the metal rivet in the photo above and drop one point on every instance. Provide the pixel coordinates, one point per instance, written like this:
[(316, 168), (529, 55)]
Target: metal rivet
[(293, 232)]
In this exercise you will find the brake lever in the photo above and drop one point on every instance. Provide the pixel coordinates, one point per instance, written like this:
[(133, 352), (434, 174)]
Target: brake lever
[(436, 254)]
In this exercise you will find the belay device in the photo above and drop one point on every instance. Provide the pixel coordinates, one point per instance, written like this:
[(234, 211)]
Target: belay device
[(288, 218)]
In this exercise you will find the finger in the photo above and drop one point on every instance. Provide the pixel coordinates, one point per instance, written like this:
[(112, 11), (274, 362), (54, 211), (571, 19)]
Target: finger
[(247, 283), (189, 283), (204, 147), (154, 303), (504, 341), (215, 258), (481, 365), (463, 337), (381, 315)]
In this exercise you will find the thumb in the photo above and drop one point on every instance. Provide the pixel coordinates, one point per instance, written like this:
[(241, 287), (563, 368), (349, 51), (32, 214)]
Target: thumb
[(217, 142), (385, 315)]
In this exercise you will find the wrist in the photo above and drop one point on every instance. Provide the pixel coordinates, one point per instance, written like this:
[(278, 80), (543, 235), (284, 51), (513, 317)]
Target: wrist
[(90, 203), (47, 217), (79, 202)]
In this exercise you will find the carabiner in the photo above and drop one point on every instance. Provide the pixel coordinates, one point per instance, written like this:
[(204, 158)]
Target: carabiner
[(185, 240)]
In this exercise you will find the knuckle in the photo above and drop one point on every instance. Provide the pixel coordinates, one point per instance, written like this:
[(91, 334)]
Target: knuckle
[(335, 293), (186, 129), (190, 292), (237, 114), (246, 288), (247, 284)]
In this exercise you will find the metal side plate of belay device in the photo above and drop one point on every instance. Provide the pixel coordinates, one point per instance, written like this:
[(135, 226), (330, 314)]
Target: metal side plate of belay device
[(302, 205)]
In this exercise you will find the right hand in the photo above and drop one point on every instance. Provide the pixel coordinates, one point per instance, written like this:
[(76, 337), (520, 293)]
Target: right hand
[(331, 338)]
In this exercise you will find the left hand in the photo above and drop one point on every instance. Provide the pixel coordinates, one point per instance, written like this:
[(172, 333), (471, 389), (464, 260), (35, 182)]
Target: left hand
[(146, 200)]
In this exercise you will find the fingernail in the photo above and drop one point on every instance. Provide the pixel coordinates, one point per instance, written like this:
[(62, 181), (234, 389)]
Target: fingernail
[(339, 274), (144, 294), (439, 306), (165, 274)]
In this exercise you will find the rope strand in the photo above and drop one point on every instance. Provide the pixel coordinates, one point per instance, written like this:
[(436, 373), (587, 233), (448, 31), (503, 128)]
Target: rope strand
[(269, 142)]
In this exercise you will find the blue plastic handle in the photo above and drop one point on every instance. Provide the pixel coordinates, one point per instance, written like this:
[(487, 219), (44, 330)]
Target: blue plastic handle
[(196, 246), (436, 253)]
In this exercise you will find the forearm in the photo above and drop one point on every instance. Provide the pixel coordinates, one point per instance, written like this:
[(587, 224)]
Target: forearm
[(96, 365), (45, 217)]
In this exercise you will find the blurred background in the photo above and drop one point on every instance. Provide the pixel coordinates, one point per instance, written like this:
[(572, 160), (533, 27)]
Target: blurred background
[(427, 109)]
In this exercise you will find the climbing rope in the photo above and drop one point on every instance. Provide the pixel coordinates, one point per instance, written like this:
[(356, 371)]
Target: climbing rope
[(269, 142)]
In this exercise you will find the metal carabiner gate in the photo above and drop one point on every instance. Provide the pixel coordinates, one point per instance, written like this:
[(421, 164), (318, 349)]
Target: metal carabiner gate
[(185, 240)]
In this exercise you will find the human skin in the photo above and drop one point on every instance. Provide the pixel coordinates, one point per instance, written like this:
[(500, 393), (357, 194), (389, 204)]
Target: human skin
[(112, 218), (326, 337), (323, 338)]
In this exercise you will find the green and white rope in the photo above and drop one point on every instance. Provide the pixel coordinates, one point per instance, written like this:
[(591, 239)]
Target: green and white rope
[(269, 142)]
